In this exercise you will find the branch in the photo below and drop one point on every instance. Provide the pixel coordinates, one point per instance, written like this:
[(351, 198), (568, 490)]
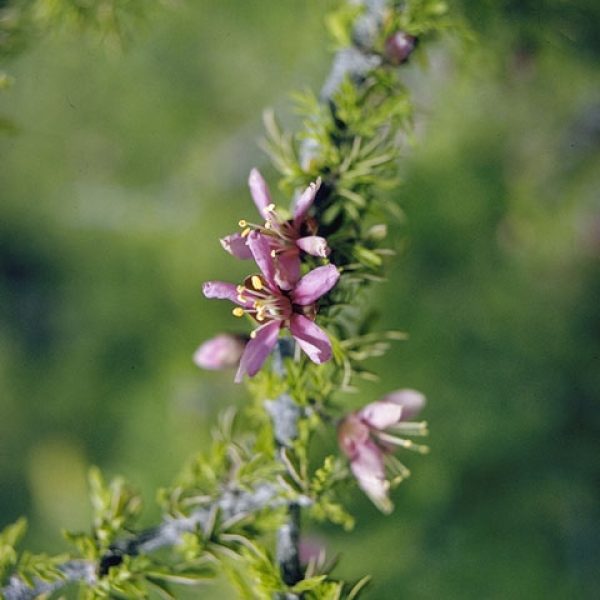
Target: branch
[(353, 62), (232, 503), (357, 60)]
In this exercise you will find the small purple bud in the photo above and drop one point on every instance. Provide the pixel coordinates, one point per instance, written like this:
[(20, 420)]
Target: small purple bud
[(399, 46), (221, 352)]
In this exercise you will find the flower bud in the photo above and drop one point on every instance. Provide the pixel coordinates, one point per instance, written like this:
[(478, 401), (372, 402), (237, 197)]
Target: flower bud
[(311, 549), (399, 46), (221, 352)]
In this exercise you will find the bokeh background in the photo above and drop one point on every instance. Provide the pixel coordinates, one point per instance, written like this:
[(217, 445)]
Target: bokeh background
[(120, 168)]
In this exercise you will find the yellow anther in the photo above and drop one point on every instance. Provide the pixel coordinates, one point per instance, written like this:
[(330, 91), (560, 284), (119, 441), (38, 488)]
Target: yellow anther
[(246, 232), (256, 282), (238, 311), (242, 223), (270, 207), (273, 253), (239, 289), (260, 317), (268, 224), (253, 334)]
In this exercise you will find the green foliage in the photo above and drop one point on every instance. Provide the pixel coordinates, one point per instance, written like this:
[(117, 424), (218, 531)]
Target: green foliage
[(116, 507), (31, 568), (142, 577), (234, 460), (340, 21), (324, 488), (421, 17), (9, 538)]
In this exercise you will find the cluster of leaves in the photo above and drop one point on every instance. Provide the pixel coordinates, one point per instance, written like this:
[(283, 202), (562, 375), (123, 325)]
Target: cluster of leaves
[(258, 568), (30, 567)]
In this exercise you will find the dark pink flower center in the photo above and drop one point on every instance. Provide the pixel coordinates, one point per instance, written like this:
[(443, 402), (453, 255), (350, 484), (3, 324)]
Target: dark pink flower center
[(352, 434), (263, 302)]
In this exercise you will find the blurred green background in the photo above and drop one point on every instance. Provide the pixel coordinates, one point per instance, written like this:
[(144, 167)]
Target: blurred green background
[(118, 172)]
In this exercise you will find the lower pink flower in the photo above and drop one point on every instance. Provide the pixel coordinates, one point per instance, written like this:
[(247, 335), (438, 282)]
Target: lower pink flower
[(274, 308), (369, 437)]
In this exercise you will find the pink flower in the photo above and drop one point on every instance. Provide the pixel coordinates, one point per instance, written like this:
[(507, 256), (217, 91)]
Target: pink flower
[(287, 237), (273, 307), (221, 352), (364, 436)]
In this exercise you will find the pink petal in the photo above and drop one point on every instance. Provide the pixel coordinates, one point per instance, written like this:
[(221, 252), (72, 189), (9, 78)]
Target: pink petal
[(311, 338), (258, 349), (222, 290), (288, 269), (369, 469), (304, 202), (369, 460), (411, 402), (381, 414), (221, 352), (315, 284), (314, 245), (261, 252), (260, 192), (236, 245)]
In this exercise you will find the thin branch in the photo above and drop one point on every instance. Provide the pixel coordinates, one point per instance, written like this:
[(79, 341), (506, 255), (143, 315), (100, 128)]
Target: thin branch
[(354, 62), (232, 503)]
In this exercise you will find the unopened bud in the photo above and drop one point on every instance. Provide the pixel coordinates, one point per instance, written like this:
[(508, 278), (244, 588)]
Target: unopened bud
[(221, 352), (311, 549), (411, 401), (377, 232), (399, 46)]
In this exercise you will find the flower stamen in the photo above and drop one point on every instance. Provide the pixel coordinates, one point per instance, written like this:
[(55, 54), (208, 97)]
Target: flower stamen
[(407, 444), (411, 428), (398, 469)]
